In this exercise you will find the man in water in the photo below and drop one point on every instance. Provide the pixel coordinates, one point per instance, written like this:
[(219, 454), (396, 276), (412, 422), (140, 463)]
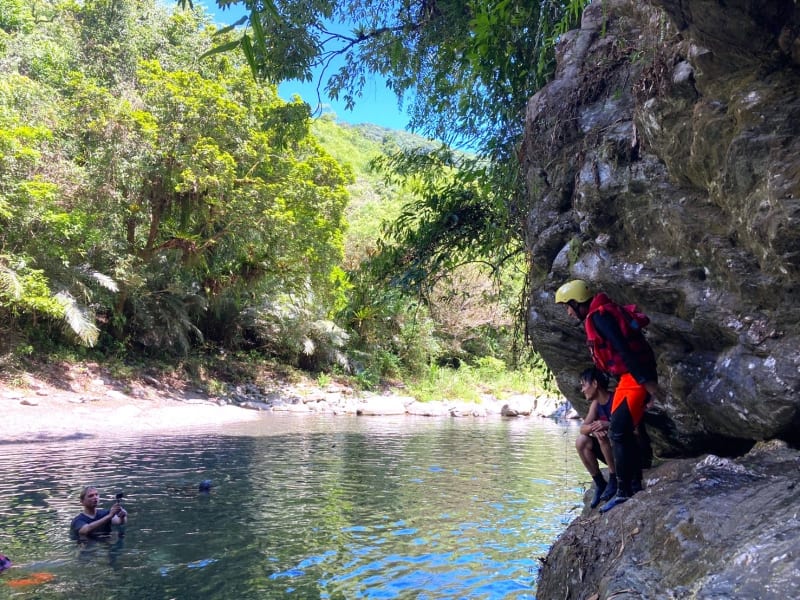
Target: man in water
[(93, 522), (593, 442)]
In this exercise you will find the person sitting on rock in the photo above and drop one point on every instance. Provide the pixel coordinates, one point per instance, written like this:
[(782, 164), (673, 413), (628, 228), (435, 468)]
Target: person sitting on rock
[(93, 522), (593, 443)]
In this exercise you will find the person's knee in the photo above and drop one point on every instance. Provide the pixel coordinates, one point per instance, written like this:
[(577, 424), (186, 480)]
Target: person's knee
[(582, 442)]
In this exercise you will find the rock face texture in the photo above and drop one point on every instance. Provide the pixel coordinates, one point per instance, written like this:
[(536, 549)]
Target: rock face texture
[(663, 167), (699, 530)]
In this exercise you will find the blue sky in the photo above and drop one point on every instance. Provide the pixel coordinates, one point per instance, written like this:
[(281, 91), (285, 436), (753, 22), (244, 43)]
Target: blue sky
[(377, 105)]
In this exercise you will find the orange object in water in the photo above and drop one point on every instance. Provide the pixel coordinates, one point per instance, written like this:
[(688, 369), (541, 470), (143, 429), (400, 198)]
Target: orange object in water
[(34, 579)]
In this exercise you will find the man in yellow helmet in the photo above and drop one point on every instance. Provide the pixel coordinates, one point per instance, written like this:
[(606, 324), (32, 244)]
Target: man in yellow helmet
[(618, 346)]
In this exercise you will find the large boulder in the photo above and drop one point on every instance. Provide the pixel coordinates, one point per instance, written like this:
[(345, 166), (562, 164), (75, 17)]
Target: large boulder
[(663, 167), (708, 527)]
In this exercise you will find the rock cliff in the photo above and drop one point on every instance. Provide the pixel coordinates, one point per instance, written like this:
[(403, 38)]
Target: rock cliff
[(663, 167)]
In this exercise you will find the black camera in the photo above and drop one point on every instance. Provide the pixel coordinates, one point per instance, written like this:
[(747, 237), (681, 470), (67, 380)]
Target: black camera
[(119, 497)]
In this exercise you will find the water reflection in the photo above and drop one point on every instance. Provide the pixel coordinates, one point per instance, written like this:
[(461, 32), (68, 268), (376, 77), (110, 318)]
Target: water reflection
[(325, 507)]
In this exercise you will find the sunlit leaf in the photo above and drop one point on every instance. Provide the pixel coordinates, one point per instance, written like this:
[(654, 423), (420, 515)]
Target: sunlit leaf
[(223, 48), (78, 319)]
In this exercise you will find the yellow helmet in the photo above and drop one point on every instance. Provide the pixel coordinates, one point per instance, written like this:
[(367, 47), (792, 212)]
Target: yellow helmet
[(573, 290)]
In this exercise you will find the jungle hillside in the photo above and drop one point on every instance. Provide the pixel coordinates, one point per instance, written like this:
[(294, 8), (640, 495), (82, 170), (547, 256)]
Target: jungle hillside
[(160, 204)]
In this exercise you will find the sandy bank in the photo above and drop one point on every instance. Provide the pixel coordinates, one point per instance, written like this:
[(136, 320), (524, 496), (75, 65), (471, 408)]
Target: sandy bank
[(74, 400), (40, 411)]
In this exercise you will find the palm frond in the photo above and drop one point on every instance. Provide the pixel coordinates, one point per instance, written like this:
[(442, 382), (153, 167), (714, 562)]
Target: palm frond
[(164, 320), (79, 319), (10, 283), (104, 280)]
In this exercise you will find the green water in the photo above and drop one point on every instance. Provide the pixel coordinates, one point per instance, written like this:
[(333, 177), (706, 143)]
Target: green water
[(302, 507)]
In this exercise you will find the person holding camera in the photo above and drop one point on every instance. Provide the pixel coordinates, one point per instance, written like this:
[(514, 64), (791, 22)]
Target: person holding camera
[(93, 522)]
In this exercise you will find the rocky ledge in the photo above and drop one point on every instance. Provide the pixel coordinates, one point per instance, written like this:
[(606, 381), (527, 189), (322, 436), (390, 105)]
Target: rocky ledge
[(663, 167), (707, 527)]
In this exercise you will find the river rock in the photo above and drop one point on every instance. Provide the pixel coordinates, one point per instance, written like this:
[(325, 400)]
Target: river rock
[(295, 408), (519, 405), (707, 527), (373, 404), (468, 409), (255, 405), (428, 409)]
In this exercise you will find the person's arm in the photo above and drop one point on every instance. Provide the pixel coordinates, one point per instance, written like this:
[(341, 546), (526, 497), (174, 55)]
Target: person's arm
[(591, 417), (88, 528), (600, 428), (607, 327)]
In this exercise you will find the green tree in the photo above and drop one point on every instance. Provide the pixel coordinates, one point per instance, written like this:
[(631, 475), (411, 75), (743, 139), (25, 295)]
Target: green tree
[(469, 67), (42, 275), (144, 194), (217, 195)]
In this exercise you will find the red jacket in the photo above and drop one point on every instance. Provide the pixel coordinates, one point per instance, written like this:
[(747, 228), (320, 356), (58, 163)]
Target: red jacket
[(628, 352)]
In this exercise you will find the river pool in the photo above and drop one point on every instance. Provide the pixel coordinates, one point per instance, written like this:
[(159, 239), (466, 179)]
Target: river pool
[(301, 507)]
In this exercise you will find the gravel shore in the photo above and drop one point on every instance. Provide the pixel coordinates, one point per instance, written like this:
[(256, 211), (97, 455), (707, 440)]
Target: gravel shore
[(76, 401)]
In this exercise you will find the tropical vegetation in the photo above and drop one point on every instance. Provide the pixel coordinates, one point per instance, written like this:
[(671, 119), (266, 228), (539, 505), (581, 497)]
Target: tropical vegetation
[(158, 200)]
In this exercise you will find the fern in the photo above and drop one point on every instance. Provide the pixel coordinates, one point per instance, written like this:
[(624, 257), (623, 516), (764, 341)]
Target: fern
[(165, 321), (292, 333)]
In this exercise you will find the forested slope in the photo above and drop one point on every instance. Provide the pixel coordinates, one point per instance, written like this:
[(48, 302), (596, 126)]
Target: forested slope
[(158, 202)]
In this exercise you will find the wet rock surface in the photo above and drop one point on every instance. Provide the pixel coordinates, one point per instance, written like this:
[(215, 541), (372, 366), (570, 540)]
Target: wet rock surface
[(708, 527)]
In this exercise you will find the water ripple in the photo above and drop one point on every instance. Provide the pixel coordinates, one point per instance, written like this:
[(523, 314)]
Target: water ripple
[(323, 508)]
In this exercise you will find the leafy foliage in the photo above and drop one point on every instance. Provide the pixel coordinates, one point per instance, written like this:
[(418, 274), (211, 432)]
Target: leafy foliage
[(154, 202), (469, 65), (398, 329), (140, 192), (452, 218), (296, 336), (487, 375)]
